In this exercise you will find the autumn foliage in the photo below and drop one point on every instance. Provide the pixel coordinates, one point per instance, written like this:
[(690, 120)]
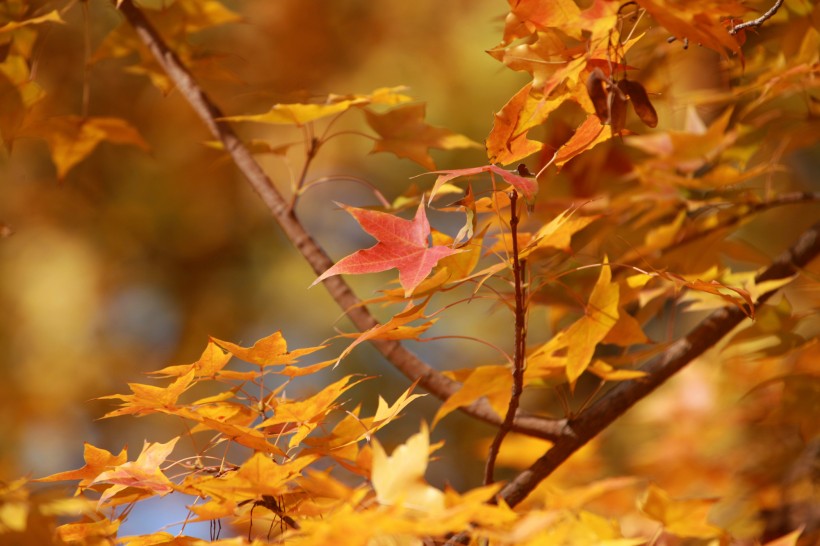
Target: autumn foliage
[(611, 225)]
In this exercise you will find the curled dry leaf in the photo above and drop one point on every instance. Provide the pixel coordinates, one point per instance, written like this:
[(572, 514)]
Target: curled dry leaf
[(598, 94), (617, 109), (640, 102)]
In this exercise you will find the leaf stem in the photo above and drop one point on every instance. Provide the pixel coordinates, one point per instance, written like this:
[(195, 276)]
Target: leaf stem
[(518, 266)]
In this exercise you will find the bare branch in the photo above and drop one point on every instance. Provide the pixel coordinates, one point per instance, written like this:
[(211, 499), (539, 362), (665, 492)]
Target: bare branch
[(520, 344), (405, 361), (616, 402), (760, 20)]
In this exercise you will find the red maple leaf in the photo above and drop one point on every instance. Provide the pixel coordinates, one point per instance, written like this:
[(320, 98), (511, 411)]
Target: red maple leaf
[(403, 244)]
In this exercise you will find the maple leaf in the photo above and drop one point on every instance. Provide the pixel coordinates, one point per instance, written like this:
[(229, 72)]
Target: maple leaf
[(493, 382), (307, 414), (395, 328), (72, 138), (578, 342), (527, 186), (300, 114), (213, 359), (402, 245), (150, 399), (268, 351), (143, 473), (507, 141), (257, 476), (399, 478), (404, 132), (684, 518), (589, 134), (96, 461), (94, 532)]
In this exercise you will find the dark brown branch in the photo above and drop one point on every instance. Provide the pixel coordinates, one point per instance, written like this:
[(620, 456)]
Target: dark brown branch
[(520, 345), (616, 402), (760, 20), (793, 198), (405, 361)]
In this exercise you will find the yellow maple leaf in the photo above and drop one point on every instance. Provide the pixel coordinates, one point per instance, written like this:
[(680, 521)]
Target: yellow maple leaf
[(684, 518), (398, 479), (97, 460), (72, 138), (574, 347), (144, 473), (271, 350)]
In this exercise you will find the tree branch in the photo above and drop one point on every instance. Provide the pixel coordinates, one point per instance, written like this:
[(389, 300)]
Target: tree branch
[(520, 344), (617, 401), (405, 361), (760, 20)]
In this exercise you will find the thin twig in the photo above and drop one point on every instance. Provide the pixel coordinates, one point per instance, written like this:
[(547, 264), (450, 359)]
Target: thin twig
[(405, 361), (520, 345), (760, 20), (680, 353)]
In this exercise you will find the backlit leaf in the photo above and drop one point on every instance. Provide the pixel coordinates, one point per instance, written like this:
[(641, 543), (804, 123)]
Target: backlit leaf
[(96, 461), (527, 186), (399, 478), (493, 382), (403, 244), (268, 351), (144, 473), (72, 138), (404, 132), (685, 518)]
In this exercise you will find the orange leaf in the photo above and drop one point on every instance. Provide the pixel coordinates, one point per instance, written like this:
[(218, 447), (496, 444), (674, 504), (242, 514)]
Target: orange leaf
[(507, 142), (309, 412), (404, 132), (258, 476), (562, 14), (527, 186), (213, 359), (144, 473), (268, 351), (494, 382), (95, 532), (588, 134), (300, 114), (150, 399), (558, 232), (96, 461), (72, 138), (574, 347)]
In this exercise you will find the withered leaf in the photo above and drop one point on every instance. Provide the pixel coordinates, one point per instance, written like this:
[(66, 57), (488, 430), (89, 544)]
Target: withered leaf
[(597, 94), (640, 102), (617, 108)]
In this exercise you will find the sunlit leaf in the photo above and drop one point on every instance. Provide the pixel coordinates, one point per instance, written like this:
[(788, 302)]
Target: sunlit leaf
[(404, 132), (268, 351), (144, 473), (403, 244), (73, 138), (97, 460), (399, 478), (685, 518)]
